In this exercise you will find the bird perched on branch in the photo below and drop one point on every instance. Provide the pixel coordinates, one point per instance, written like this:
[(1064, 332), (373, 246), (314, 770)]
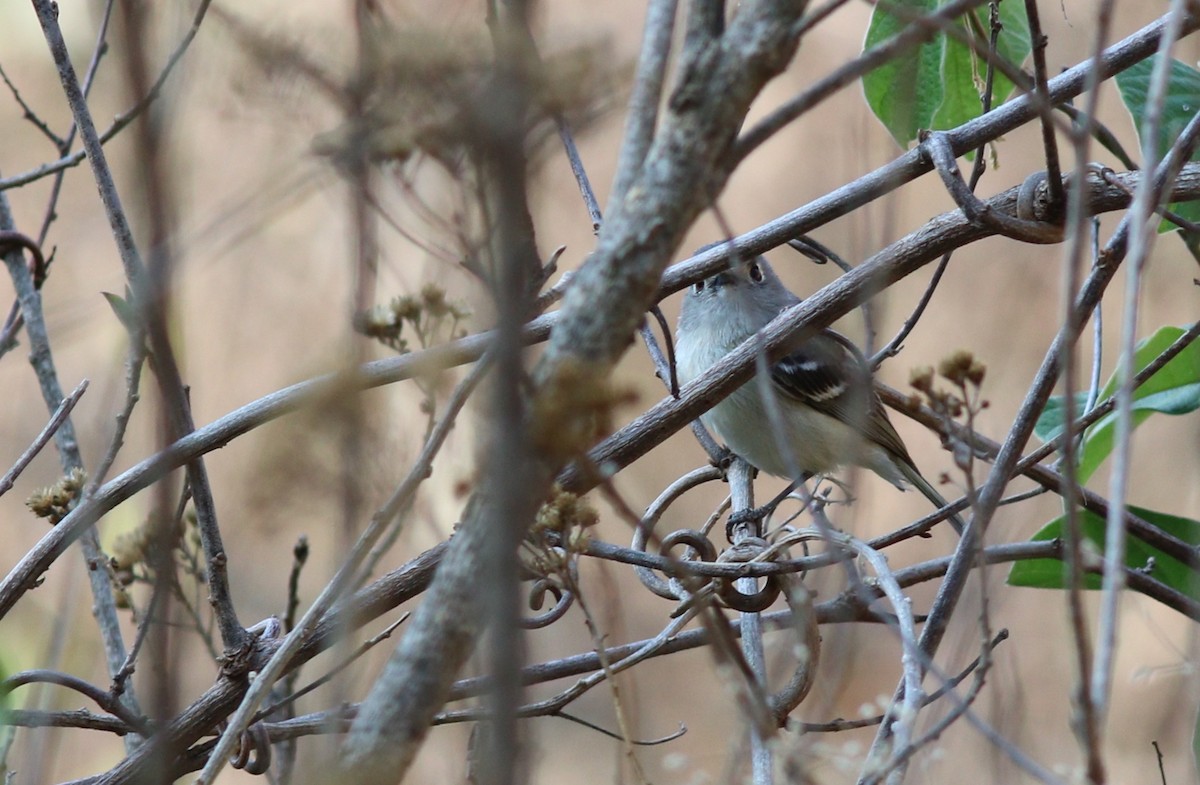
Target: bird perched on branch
[(828, 413)]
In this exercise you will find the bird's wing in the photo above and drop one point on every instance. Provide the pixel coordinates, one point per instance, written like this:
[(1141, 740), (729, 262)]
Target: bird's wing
[(824, 376)]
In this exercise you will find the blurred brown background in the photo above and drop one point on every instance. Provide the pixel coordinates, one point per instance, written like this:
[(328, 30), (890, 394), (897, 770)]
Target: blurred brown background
[(263, 294)]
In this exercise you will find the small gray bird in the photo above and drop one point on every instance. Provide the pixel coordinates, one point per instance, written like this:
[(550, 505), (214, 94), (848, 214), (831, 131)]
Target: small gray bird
[(830, 411)]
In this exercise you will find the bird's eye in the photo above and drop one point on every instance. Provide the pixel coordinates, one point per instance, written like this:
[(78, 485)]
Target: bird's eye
[(698, 287), (756, 272)]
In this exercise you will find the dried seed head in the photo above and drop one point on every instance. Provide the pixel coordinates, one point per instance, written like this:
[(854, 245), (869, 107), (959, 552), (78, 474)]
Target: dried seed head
[(962, 368), (55, 502), (921, 379)]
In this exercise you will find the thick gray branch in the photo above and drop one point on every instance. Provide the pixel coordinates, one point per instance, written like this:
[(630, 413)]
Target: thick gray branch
[(684, 170)]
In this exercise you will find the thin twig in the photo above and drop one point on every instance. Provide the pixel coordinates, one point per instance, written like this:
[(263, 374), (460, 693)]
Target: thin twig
[(621, 658), (170, 382), (80, 719), (577, 169), (29, 114), (299, 559), (102, 698), (99, 49), (400, 500), (134, 363), (121, 677), (120, 121), (439, 431), (821, 254), (56, 420), (908, 702), (1141, 238), (1049, 144), (1073, 260), (1160, 209), (665, 370), (67, 445), (837, 726), (1088, 124), (918, 32), (815, 17), (327, 677), (937, 146), (989, 85), (286, 752), (626, 734)]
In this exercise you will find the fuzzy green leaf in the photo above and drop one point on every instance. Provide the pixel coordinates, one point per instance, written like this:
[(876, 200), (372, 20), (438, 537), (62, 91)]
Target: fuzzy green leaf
[(905, 92), (938, 86)]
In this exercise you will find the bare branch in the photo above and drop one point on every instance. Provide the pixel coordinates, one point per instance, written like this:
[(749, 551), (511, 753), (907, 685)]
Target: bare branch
[(59, 416)]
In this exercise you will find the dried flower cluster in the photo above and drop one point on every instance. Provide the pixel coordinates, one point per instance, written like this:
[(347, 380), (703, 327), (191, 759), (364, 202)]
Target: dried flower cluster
[(431, 316), (962, 370), (56, 501)]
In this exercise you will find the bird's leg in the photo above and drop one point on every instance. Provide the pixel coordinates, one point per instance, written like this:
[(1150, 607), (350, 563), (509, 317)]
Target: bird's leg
[(723, 459), (756, 515)]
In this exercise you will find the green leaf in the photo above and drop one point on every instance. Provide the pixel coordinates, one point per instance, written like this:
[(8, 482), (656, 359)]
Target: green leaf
[(1196, 743), (1173, 389), (938, 86), (1051, 422), (1183, 369), (1014, 43), (905, 92), (1052, 574), (7, 729), (5, 707), (1191, 241), (1182, 103), (961, 86)]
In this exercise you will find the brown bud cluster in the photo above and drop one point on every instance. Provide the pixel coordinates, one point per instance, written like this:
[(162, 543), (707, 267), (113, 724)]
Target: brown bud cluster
[(564, 511), (426, 314), (961, 368), (963, 371), (56, 501)]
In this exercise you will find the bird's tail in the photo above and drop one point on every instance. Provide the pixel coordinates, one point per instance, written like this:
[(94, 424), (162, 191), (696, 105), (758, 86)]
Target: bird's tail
[(929, 492)]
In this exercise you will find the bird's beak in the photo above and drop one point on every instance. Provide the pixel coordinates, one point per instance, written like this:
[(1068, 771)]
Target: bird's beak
[(721, 279)]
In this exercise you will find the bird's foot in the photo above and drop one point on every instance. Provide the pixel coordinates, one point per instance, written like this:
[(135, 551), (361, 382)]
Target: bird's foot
[(752, 518)]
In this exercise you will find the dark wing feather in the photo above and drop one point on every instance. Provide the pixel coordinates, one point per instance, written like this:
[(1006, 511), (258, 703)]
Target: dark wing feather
[(815, 382), (822, 375)]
